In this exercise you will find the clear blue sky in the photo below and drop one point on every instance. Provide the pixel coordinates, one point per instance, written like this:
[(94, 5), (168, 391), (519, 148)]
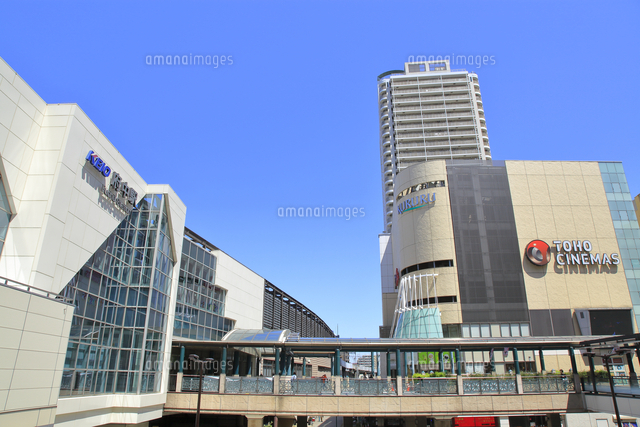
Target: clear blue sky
[(293, 121)]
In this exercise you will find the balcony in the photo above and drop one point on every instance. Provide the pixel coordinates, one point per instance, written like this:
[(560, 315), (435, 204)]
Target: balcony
[(385, 133), (387, 153), (386, 143), (387, 162), (389, 182), (389, 192)]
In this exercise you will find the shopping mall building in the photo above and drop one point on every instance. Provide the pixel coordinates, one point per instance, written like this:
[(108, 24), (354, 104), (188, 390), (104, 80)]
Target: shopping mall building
[(98, 275), (474, 247)]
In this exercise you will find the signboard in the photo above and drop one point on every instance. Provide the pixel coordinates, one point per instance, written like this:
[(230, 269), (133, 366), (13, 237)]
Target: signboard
[(119, 192)]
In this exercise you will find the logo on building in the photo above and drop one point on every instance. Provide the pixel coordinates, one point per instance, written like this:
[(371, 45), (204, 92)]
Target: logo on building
[(98, 163), (416, 202), (119, 192), (538, 252)]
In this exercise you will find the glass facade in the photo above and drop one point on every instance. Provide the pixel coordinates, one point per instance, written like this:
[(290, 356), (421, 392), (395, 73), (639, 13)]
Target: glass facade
[(5, 214), (122, 295), (489, 266), (200, 303), (625, 224)]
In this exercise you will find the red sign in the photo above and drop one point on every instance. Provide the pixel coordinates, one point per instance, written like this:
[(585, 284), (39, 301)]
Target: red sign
[(474, 422), (538, 252)]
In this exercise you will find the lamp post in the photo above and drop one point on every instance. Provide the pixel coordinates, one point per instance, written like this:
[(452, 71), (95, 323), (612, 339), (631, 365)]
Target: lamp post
[(200, 368)]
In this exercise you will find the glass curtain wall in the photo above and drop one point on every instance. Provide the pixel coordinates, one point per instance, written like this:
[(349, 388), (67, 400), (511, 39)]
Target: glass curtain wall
[(121, 296), (200, 303), (625, 223)]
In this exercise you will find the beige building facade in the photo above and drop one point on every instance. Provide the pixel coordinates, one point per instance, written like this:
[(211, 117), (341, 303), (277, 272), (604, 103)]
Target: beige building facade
[(515, 248)]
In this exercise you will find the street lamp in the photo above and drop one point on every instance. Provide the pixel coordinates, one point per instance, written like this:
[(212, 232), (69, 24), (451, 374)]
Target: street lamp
[(200, 368)]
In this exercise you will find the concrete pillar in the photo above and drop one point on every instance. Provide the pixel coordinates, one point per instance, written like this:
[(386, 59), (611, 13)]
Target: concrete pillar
[(399, 385), (179, 382), (304, 367), (519, 388), (222, 383), (460, 385), (337, 386), (276, 385), (254, 420)]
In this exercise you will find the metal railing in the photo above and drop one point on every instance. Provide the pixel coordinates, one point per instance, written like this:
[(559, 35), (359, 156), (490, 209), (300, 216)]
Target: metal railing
[(429, 386), (306, 386), (622, 385), (547, 384), (357, 387), (210, 384), (492, 385), (249, 385), (36, 291)]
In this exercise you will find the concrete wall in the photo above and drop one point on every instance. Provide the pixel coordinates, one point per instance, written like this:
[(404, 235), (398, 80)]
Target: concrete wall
[(34, 332)]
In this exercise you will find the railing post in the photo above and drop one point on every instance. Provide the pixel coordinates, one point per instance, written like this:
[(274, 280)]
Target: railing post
[(460, 384), (179, 382), (276, 384)]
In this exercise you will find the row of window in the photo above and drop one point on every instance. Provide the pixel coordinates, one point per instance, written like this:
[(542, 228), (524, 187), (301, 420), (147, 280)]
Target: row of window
[(487, 330), (427, 265)]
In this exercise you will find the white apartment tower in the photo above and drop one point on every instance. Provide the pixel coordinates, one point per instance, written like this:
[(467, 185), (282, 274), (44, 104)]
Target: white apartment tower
[(427, 111)]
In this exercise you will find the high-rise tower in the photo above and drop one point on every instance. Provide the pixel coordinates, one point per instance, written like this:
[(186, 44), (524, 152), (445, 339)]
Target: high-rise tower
[(427, 112)]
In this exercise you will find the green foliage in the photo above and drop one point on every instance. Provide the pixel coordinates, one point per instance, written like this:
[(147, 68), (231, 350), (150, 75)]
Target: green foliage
[(600, 374), (430, 375)]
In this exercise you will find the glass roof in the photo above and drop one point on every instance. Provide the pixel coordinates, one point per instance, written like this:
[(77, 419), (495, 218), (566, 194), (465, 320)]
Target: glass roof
[(257, 335)]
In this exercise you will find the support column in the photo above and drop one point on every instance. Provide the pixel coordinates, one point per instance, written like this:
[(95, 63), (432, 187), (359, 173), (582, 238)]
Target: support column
[(223, 372), (633, 377), (542, 367), (398, 365), (388, 364), (254, 420), (338, 364), (574, 371), (304, 369), (373, 371), (249, 364), (592, 372), (516, 363), (458, 362), (441, 360), (236, 363), (399, 385)]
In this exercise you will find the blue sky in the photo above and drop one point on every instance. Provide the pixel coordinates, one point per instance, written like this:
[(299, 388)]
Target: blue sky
[(293, 120)]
